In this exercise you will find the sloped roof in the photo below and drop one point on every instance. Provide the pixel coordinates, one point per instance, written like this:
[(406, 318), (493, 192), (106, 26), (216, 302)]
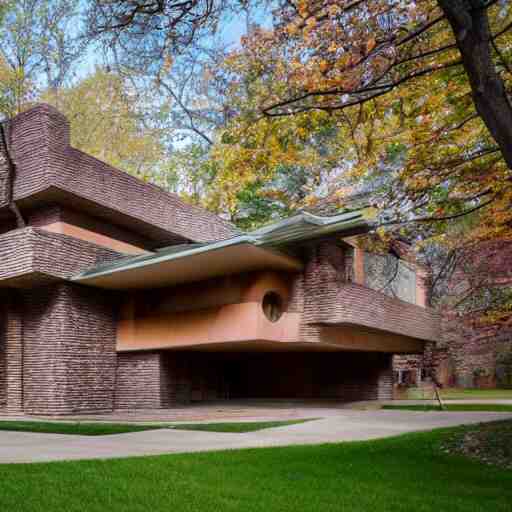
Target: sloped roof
[(259, 249)]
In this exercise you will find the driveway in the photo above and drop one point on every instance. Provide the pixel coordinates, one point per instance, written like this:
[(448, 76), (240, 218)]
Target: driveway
[(336, 426)]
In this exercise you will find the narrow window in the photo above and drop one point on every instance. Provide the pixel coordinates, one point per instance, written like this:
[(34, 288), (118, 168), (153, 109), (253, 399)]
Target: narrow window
[(272, 306)]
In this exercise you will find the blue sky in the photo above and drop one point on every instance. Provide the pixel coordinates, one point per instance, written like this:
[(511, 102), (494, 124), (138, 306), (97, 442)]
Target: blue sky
[(232, 29)]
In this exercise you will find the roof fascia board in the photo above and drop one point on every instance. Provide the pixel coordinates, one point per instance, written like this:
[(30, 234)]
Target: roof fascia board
[(160, 258), (263, 238)]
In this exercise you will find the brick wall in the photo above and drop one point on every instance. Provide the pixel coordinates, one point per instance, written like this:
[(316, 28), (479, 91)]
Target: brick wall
[(330, 299), (4, 175), (11, 351), (138, 380), (31, 257), (69, 353), (156, 379), (3, 343), (49, 168)]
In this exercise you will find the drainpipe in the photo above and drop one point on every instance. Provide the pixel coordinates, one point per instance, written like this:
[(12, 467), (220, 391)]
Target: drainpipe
[(11, 176)]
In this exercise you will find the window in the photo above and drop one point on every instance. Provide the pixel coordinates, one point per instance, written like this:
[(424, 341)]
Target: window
[(272, 306)]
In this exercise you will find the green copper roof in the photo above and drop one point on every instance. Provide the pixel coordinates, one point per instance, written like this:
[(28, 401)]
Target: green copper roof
[(274, 237)]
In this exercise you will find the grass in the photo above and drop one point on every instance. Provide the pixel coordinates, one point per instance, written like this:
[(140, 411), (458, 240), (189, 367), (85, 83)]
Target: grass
[(461, 394), (240, 427), (409, 472), (104, 429), (453, 407), (80, 429)]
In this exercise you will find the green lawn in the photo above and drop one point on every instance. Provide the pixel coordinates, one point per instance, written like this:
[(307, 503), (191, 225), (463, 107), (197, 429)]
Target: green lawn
[(104, 429), (453, 407), (246, 426), (81, 429), (461, 394), (400, 474)]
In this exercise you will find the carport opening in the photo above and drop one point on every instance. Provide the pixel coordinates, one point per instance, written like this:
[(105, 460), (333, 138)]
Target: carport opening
[(344, 376)]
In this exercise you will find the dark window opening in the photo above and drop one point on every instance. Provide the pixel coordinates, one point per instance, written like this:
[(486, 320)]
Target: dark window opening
[(272, 306)]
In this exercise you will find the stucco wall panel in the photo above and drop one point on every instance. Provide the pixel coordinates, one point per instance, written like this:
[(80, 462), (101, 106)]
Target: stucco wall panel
[(95, 238), (230, 323), (215, 311)]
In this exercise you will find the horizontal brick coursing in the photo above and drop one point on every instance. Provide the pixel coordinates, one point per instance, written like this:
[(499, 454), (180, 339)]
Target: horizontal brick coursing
[(4, 176), (149, 380), (331, 300), (69, 353), (358, 305), (138, 381), (3, 347), (11, 349), (32, 257), (49, 169)]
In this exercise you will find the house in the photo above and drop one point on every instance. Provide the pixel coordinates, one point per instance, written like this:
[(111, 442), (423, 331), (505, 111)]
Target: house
[(115, 294), (474, 350)]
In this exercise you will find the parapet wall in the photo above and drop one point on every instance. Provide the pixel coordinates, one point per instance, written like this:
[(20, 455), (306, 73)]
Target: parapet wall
[(49, 170)]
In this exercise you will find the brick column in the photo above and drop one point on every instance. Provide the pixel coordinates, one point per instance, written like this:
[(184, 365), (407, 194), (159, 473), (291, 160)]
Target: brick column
[(152, 380), (138, 380), (359, 274), (69, 355), (385, 378), (13, 353)]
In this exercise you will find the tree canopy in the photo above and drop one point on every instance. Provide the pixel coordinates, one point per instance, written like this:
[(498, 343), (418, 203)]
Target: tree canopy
[(407, 104), (106, 121)]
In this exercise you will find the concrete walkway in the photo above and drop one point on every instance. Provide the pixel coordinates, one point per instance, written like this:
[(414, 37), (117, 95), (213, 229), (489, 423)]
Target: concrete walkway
[(336, 425)]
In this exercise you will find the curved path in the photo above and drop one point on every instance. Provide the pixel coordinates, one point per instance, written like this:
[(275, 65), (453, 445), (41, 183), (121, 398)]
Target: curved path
[(334, 426)]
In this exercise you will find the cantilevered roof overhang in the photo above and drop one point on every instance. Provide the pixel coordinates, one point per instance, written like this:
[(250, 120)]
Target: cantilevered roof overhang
[(263, 249)]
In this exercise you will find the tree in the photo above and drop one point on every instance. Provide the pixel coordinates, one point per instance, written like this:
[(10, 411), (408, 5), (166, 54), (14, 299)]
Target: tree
[(168, 45), (154, 29), (40, 44), (344, 52), (386, 58), (107, 122), (189, 172), (348, 53), (413, 117)]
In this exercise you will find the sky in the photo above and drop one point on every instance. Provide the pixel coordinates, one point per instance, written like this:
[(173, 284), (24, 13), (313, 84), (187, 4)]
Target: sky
[(231, 31)]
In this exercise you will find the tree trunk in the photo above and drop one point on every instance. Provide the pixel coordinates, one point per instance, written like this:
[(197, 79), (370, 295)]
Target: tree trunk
[(11, 176), (470, 25)]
